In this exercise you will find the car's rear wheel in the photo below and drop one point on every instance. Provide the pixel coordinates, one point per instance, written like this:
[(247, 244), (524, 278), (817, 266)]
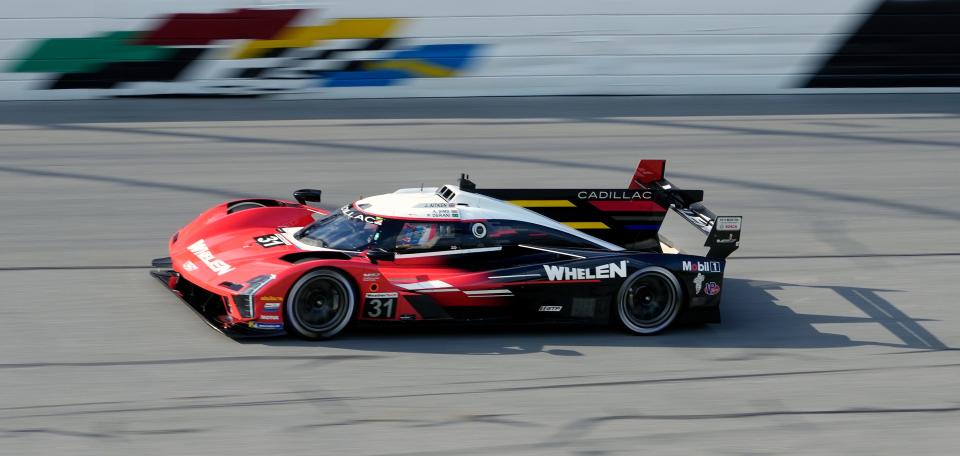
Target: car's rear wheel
[(649, 301), (320, 305)]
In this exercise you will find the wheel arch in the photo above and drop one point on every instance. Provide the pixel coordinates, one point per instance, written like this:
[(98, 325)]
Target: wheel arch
[(676, 285), (351, 283), (355, 287)]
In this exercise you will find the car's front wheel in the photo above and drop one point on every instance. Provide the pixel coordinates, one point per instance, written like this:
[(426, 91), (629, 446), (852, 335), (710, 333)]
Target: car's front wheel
[(320, 305), (649, 300)]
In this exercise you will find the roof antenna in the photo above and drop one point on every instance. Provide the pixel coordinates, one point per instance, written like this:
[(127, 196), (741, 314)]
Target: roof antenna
[(465, 183)]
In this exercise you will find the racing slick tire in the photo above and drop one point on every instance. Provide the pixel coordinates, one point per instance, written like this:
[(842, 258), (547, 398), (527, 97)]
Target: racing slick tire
[(320, 305), (649, 301)]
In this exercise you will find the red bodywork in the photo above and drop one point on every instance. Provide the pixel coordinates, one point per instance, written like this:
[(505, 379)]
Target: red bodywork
[(236, 263), (236, 257)]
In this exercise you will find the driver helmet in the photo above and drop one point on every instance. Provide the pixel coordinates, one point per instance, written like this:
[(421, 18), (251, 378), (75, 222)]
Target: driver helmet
[(417, 236)]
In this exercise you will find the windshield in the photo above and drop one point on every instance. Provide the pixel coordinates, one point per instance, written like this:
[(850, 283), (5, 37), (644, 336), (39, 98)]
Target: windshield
[(346, 229)]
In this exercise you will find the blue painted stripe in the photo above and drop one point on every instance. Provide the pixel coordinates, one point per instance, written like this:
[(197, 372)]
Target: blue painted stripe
[(452, 56), (363, 78), (643, 227)]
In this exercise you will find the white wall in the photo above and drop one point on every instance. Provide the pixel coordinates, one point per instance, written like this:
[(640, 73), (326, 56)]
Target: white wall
[(532, 47)]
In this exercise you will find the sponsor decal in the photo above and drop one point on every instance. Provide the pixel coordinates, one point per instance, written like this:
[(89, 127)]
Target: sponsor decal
[(382, 295), (615, 195), (189, 266), (702, 266), (203, 253), (371, 276), (269, 317), (380, 306), (479, 230), (728, 223), (271, 306), (271, 298), (698, 283), (361, 216), (604, 271), (727, 240), (550, 308), (408, 317), (711, 288), (258, 325), (270, 240)]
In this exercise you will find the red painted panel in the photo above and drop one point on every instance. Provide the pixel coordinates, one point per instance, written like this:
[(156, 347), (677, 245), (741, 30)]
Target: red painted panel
[(628, 206), (648, 172), (203, 28)]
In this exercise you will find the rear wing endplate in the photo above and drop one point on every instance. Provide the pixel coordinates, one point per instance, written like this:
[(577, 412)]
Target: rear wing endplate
[(723, 232)]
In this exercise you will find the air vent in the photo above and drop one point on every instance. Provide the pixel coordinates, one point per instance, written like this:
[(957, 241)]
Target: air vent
[(232, 286), (446, 193), (302, 257)]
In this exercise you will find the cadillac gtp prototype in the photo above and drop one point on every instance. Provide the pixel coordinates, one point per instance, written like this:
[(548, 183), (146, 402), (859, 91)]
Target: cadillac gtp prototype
[(456, 253)]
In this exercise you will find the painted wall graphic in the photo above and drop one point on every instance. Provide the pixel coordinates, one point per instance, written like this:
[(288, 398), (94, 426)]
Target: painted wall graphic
[(244, 52), (903, 43), (63, 49)]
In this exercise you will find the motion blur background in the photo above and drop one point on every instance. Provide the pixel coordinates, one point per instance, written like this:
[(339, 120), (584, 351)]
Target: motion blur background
[(431, 48), (831, 126)]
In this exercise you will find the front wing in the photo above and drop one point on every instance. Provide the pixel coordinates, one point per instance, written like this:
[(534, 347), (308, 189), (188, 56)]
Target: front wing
[(205, 304)]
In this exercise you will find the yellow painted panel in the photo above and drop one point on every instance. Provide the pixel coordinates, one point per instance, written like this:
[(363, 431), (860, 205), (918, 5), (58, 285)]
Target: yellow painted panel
[(340, 29), (413, 66), (542, 203), (587, 225)]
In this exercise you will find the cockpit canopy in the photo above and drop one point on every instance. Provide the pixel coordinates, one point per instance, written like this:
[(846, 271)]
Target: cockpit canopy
[(354, 230)]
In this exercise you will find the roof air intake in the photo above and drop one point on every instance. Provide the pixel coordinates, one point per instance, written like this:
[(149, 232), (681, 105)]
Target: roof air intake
[(446, 193)]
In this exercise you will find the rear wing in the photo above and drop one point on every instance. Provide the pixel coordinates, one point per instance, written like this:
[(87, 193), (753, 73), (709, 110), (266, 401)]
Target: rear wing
[(723, 232), (630, 218)]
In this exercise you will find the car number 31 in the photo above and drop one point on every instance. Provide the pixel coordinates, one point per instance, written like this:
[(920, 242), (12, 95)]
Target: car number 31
[(380, 306)]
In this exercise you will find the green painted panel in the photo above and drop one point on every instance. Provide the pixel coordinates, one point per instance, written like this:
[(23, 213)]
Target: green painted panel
[(83, 55)]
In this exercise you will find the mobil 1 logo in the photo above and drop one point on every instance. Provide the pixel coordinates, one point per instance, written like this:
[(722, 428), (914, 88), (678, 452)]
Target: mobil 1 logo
[(380, 306), (702, 266)]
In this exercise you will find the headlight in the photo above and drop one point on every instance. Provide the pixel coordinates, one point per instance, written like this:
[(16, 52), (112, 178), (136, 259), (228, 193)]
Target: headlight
[(244, 300)]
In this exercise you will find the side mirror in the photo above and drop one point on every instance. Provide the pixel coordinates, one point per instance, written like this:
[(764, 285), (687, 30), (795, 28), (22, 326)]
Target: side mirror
[(379, 254), (307, 194)]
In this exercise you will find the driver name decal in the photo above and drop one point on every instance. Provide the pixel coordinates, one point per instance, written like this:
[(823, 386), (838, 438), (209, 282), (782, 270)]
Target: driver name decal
[(203, 253), (604, 271)]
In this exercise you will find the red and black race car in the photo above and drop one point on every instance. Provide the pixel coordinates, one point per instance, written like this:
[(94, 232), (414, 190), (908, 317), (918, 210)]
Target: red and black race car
[(454, 253)]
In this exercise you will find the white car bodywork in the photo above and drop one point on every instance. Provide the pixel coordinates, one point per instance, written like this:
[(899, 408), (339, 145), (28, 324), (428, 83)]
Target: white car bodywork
[(450, 203)]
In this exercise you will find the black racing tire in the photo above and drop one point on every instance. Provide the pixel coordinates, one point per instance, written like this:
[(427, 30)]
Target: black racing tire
[(243, 205), (649, 301), (320, 305)]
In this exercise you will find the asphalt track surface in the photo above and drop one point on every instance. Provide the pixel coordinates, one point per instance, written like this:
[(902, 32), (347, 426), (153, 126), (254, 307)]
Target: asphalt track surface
[(841, 317)]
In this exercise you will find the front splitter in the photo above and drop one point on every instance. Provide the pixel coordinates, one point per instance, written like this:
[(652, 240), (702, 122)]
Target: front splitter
[(238, 331)]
